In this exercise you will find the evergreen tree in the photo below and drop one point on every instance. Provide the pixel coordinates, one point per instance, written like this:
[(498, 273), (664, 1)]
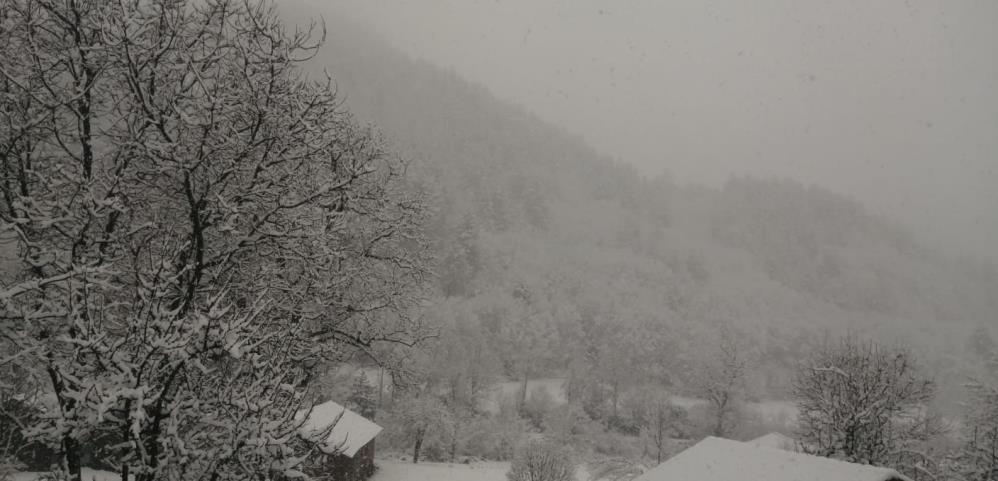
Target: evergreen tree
[(362, 396)]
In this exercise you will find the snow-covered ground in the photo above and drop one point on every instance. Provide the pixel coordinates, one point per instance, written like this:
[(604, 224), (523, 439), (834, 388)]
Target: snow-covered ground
[(508, 391), (770, 411), (393, 470), (774, 411), (388, 470), (88, 475), (686, 402)]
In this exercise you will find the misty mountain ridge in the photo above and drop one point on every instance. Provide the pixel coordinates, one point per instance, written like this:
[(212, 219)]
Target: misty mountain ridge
[(533, 223)]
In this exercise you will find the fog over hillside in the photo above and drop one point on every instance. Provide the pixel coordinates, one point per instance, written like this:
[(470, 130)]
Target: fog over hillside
[(531, 219), (891, 102)]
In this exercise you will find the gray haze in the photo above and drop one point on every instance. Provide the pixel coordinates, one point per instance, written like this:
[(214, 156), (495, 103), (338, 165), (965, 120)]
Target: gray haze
[(894, 102)]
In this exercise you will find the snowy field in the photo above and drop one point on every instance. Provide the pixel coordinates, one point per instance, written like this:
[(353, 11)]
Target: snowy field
[(770, 411), (783, 412), (393, 470), (508, 391), (774, 411), (88, 475)]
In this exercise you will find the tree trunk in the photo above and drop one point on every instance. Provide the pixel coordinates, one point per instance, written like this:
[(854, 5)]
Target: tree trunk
[(125, 436), (419, 444), (722, 406), (453, 443), (616, 395), (71, 450), (523, 391), (659, 434), (381, 385), (719, 426)]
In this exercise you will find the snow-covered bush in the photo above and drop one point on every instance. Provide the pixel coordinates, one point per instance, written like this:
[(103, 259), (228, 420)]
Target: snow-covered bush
[(542, 461), (496, 438), (613, 444), (568, 423)]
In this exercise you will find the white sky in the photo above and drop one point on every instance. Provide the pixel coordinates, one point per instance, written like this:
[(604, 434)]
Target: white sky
[(892, 101)]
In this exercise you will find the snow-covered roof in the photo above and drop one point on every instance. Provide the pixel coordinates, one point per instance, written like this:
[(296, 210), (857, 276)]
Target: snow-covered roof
[(347, 436), (716, 459), (775, 440)]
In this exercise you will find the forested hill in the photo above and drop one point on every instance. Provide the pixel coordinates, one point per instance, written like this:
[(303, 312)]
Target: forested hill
[(555, 259)]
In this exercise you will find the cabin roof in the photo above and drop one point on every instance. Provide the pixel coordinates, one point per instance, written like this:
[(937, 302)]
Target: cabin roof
[(350, 432), (716, 459)]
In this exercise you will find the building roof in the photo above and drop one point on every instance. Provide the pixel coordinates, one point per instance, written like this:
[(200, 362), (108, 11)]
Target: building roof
[(775, 440), (716, 459), (350, 432)]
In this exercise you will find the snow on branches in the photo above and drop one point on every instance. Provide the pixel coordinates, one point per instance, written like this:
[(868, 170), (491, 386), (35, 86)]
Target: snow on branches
[(977, 458), (197, 225), (868, 404)]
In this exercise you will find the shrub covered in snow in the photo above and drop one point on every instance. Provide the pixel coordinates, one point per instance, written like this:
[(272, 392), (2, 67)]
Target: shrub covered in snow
[(541, 461), (497, 438)]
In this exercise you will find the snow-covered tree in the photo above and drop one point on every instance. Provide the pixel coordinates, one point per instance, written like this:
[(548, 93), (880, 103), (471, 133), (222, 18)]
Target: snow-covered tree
[(523, 336), (866, 403), (977, 459), (659, 421), (463, 360), (720, 378), (197, 225), (419, 416), (461, 258), (982, 344)]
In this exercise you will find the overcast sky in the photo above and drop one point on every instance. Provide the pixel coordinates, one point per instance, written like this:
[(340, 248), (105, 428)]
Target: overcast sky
[(892, 101)]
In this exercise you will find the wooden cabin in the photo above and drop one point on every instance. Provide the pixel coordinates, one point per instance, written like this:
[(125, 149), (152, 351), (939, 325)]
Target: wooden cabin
[(347, 450)]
